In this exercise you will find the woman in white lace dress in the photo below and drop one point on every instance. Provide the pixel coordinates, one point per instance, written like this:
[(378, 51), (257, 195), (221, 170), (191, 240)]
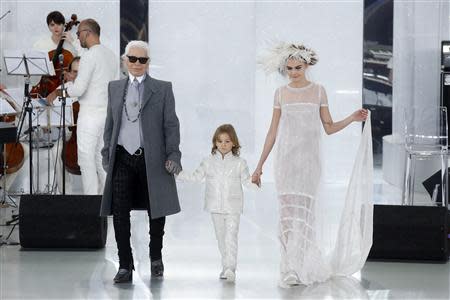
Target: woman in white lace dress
[(300, 109)]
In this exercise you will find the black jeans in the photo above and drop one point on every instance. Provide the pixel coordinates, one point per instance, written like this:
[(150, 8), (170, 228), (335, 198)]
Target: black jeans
[(130, 180)]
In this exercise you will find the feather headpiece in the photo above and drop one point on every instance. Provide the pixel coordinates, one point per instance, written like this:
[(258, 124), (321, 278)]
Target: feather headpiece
[(278, 56)]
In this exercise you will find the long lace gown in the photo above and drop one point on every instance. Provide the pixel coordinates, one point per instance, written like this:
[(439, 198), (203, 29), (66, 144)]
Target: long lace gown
[(297, 179)]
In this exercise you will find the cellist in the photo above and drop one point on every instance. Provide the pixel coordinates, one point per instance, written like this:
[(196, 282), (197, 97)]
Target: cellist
[(60, 42), (55, 23)]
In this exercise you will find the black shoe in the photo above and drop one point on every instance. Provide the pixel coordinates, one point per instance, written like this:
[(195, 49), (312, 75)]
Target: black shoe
[(157, 268), (124, 275)]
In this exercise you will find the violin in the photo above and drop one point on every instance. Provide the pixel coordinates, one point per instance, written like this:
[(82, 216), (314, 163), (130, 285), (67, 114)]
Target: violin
[(48, 84)]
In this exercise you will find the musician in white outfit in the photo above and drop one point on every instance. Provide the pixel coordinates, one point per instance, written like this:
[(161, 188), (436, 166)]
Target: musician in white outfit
[(98, 66)]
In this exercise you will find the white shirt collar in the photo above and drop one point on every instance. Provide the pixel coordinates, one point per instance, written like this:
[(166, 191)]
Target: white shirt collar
[(139, 79), (226, 156)]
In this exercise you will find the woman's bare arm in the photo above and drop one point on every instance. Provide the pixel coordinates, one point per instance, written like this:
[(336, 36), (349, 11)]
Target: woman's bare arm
[(331, 127), (268, 145)]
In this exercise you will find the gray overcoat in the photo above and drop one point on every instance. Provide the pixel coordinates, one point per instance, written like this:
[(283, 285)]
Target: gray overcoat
[(161, 137)]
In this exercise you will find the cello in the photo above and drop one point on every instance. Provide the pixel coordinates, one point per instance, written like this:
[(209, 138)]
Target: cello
[(48, 84), (71, 161), (71, 154)]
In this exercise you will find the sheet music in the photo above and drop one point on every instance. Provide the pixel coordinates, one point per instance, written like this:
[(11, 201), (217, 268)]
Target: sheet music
[(52, 115), (57, 103), (44, 115)]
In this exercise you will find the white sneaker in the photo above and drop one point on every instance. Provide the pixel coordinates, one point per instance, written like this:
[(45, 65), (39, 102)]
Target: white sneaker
[(222, 274), (291, 279), (230, 276)]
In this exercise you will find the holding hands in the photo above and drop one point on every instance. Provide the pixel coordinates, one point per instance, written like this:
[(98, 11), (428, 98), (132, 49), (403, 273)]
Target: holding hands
[(172, 167), (256, 177)]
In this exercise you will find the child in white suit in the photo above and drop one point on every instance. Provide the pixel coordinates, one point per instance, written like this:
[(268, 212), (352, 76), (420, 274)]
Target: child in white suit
[(224, 173)]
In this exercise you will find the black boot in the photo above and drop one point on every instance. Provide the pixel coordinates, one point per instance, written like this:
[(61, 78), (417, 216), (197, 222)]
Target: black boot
[(124, 275), (157, 268)]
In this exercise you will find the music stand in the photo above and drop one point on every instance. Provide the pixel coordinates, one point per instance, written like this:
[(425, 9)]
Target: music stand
[(52, 116), (27, 63), (63, 99)]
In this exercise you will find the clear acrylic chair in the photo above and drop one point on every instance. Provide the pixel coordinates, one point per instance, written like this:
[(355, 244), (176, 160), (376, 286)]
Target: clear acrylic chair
[(426, 137)]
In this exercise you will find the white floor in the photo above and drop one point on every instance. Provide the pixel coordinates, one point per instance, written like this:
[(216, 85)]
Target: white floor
[(192, 263)]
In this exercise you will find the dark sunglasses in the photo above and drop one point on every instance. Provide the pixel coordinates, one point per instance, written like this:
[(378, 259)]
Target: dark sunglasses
[(133, 59)]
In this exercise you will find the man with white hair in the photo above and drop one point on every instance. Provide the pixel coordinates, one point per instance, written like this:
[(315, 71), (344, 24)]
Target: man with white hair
[(141, 155)]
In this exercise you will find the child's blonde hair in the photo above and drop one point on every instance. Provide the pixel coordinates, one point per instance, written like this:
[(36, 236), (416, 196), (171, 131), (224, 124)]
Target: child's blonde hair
[(228, 129)]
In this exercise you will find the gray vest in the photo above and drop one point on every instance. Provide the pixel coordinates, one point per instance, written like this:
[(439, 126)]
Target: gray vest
[(130, 135)]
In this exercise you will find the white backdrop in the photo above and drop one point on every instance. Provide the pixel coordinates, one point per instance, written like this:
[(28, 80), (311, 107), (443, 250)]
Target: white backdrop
[(209, 51)]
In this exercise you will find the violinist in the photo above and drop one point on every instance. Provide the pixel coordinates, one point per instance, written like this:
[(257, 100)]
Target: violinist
[(98, 66), (70, 75), (73, 69)]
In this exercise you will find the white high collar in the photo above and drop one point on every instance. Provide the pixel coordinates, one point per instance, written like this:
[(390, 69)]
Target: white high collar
[(139, 79), (218, 155)]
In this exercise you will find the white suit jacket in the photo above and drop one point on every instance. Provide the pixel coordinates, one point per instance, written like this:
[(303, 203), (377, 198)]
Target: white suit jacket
[(224, 178)]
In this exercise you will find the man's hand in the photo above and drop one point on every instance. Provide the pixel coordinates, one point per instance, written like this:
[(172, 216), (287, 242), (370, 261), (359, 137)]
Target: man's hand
[(172, 167), (52, 96)]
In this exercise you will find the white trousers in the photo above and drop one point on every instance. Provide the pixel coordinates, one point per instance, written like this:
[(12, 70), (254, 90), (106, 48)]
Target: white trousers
[(90, 143), (227, 228), (55, 155)]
